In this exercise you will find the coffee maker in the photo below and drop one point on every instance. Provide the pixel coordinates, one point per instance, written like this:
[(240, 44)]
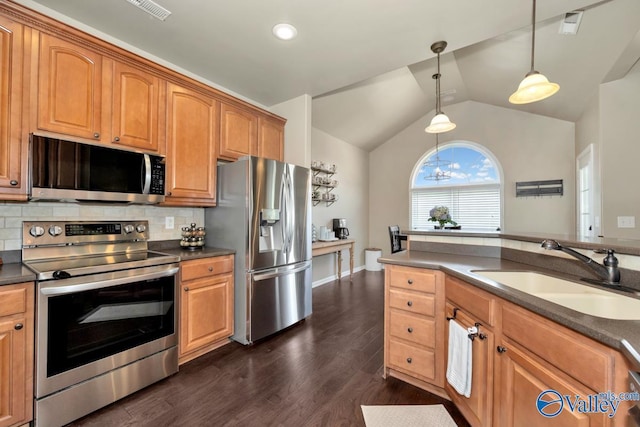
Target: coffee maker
[(340, 228)]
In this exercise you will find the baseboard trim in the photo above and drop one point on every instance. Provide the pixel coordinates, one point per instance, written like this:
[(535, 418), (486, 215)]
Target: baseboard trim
[(331, 278)]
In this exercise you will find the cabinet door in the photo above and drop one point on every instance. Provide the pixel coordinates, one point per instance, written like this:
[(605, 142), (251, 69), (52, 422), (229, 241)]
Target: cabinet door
[(270, 139), (477, 408), (238, 132), (522, 378), (16, 354), (192, 127), (135, 108), (69, 93), (206, 308), (12, 183)]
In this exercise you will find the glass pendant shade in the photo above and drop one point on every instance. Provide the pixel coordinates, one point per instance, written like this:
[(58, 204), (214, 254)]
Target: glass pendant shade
[(534, 87), (440, 123)]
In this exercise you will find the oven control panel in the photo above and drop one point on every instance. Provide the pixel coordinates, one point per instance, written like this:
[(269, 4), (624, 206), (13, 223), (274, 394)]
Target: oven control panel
[(44, 233)]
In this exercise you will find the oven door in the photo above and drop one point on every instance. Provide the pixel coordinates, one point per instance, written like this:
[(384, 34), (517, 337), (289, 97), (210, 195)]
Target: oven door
[(90, 325)]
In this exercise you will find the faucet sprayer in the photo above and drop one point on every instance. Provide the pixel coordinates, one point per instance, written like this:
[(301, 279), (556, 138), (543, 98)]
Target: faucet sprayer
[(609, 271)]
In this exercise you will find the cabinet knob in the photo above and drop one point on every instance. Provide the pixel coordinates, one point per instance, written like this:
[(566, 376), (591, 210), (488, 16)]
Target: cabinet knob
[(409, 360), (410, 329), (501, 349), (210, 269), (169, 193), (186, 289), (410, 281), (96, 135), (13, 182), (409, 303), (18, 326), (116, 139)]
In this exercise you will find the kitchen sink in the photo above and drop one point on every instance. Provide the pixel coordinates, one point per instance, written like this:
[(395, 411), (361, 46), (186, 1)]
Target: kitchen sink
[(573, 295)]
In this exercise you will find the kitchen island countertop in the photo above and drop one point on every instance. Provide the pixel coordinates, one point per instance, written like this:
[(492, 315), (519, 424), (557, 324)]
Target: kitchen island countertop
[(623, 335)]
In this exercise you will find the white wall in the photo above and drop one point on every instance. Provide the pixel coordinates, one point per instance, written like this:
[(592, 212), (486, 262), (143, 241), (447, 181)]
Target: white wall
[(352, 172), (12, 215), (620, 153), (529, 147), (297, 131)]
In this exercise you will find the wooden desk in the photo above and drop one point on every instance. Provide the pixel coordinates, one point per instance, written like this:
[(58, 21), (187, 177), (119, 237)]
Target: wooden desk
[(337, 246)]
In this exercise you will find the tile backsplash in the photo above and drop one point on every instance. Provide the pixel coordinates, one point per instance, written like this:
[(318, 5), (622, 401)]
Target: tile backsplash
[(13, 214)]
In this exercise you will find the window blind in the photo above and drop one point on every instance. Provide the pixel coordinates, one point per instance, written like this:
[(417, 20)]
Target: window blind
[(472, 207)]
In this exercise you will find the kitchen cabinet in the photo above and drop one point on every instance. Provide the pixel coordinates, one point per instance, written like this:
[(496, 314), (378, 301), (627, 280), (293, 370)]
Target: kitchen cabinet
[(69, 91), (192, 129), (271, 138), (85, 94), (13, 146), (206, 305), (414, 332), (471, 307), (238, 132), (16, 354), (524, 354), (244, 132)]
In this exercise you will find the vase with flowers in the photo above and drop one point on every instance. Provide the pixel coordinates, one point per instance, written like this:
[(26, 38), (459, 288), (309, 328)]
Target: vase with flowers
[(440, 214)]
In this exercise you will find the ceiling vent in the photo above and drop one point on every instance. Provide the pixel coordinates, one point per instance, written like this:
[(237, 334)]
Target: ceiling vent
[(569, 25), (152, 8)]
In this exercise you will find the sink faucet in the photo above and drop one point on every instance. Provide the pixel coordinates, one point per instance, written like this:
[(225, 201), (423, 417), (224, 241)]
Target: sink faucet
[(608, 272)]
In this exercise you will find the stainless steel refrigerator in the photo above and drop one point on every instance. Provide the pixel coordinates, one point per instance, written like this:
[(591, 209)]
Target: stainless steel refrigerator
[(264, 213)]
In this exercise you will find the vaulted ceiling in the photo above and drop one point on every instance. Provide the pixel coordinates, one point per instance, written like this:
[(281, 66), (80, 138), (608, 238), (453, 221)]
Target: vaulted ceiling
[(367, 63)]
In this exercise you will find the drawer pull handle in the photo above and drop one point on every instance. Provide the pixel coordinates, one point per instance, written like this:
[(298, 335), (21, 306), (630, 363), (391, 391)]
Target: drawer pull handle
[(18, 326), (409, 360), (210, 269), (186, 289), (410, 281), (13, 182), (501, 349), (409, 303), (410, 329)]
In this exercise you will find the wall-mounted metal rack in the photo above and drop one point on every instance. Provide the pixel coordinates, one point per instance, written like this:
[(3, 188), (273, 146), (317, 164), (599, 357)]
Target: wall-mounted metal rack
[(551, 187)]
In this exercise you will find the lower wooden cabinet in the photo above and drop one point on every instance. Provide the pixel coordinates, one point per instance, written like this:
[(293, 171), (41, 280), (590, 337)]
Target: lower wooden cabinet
[(206, 305), (413, 332), (16, 354)]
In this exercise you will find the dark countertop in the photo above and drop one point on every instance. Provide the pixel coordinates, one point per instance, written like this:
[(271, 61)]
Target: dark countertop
[(12, 273), (623, 246), (623, 335), (186, 254)]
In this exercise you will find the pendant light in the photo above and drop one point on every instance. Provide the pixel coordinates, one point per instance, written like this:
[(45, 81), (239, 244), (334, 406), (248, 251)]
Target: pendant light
[(535, 86), (437, 168), (440, 123)]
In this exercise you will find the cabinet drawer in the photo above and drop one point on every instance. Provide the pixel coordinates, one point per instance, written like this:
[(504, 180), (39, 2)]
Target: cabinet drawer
[(14, 300), (475, 301), (593, 367), (206, 267), (413, 302), (413, 278), (415, 361), (412, 328)]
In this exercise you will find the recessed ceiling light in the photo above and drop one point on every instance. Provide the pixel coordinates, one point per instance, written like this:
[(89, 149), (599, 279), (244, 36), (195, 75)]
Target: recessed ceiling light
[(285, 31)]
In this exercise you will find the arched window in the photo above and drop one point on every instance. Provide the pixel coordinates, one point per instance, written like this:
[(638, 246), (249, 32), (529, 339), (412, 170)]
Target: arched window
[(463, 176)]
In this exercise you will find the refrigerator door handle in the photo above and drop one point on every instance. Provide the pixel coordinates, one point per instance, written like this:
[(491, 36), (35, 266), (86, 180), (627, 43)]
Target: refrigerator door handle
[(281, 271), (287, 226)]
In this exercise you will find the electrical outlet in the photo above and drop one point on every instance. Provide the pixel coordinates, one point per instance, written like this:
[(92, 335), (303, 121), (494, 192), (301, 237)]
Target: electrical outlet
[(168, 223), (626, 222)]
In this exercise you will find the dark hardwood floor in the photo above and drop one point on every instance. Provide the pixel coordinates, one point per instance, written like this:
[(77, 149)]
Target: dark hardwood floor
[(316, 373)]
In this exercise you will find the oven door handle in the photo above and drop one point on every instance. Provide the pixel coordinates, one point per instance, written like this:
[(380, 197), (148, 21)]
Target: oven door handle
[(59, 288)]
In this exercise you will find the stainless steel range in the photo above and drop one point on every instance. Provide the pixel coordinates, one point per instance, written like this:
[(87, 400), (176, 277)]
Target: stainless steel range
[(106, 314)]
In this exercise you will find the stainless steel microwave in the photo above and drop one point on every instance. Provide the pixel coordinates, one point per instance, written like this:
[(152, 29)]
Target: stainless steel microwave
[(74, 171)]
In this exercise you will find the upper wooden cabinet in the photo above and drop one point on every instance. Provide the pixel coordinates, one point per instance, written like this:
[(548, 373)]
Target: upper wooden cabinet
[(192, 128), (271, 138), (12, 147), (84, 94), (135, 107), (238, 132), (70, 89)]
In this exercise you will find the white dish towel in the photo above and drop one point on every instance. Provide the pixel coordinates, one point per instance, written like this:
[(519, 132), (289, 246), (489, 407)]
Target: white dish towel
[(460, 359)]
